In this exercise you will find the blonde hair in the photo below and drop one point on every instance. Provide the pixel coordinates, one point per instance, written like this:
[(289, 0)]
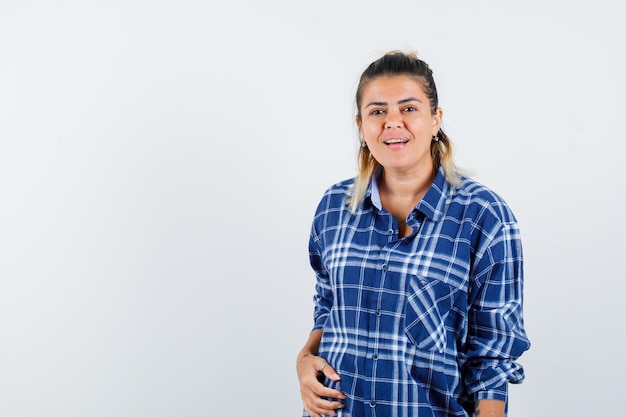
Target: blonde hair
[(396, 63)]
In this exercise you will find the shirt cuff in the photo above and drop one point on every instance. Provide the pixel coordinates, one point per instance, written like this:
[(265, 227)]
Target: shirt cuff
[(500, 392)]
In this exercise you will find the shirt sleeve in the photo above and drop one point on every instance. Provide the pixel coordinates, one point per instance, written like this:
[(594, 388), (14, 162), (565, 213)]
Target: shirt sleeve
[(496, 335), (323, 298)]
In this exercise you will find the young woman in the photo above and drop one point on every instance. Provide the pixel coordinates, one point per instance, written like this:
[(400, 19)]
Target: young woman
[(418, 303)]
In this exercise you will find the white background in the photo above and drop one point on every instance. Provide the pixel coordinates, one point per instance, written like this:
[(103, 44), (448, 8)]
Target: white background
[(160, 163)]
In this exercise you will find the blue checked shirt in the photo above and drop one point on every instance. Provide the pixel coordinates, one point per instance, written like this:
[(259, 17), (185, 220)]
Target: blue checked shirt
[(423, 325)]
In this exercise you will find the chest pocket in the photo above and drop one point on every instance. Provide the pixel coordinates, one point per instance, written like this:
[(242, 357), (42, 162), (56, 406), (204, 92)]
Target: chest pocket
[(427, 305)]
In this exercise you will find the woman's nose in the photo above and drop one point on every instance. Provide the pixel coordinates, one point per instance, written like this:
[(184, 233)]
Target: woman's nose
[(394, 119)]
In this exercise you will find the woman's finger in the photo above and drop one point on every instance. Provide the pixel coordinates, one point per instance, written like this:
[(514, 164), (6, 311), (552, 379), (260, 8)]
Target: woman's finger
[(329, 372), (322, 406)]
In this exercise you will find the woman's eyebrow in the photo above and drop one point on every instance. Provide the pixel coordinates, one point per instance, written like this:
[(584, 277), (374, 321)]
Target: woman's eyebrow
[(406, 100), (384, 103), (377, 103)]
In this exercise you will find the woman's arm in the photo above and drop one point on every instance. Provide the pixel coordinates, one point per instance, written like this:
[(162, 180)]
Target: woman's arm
[(496, 335), (311, 346), (310, 367), (490, 408)]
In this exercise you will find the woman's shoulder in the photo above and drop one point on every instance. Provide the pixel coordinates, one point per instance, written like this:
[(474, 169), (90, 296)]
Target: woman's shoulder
[(470, 192), (471, 188), (339, 190), (336, 197), (341, 186)]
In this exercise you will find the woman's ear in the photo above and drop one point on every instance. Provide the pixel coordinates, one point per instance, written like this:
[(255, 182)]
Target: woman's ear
[(437, 119), (357, 120)]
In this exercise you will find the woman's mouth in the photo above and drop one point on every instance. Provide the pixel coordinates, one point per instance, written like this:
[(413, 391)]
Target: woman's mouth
[(394, 141)]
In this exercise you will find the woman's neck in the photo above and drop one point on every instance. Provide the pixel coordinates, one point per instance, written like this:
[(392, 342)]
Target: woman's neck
[(406, 186)]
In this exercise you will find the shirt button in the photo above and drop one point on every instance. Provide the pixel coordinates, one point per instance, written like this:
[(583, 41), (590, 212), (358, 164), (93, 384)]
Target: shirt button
[(375, 357), (390, 232), (378, 313), (384, 267), (372, 404)]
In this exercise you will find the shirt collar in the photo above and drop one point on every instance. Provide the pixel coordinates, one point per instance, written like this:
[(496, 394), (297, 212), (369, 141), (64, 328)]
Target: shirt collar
[(434, 201), (431, 205), (375, 193)]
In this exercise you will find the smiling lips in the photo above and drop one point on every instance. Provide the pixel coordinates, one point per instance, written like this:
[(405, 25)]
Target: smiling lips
[(395, 141)]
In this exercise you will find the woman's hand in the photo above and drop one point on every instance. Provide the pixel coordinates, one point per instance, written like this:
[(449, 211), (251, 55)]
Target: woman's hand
[(310, 368)]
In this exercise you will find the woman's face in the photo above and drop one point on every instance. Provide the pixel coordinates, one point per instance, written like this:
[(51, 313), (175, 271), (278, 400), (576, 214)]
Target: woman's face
[(397, 124)]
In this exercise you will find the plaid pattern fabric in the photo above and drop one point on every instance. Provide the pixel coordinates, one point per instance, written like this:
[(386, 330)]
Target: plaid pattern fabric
[(427, 324)]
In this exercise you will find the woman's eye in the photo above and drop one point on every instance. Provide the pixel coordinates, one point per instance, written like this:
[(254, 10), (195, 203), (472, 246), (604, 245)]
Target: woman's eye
[(377, 112), (410, 109)]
